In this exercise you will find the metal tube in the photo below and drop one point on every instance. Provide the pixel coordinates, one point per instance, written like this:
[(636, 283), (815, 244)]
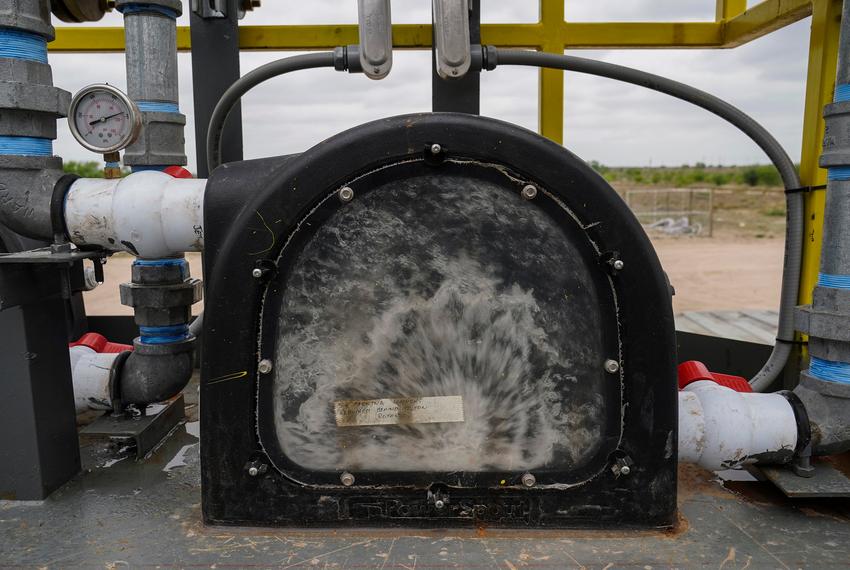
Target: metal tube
[(161, 294), (835, 256), (338, 59), (787, 170), (825, 387), (151, 57), (29, 107), (150, 33)]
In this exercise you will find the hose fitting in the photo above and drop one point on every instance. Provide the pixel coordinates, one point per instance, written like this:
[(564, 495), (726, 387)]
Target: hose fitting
[(161, 293)]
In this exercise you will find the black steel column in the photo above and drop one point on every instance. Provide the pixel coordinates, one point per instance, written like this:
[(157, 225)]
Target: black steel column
[(459, 95), (39, 450), (215, 66)]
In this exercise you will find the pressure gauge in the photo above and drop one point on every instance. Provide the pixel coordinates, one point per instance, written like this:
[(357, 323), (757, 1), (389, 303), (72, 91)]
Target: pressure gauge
[(103, 119)]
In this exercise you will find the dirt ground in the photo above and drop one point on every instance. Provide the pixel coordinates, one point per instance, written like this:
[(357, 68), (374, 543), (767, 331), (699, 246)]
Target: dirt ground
[(722, 273), (716, 273)]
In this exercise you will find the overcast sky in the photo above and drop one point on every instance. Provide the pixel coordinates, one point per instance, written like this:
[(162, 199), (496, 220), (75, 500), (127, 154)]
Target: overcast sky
[(613, 123)]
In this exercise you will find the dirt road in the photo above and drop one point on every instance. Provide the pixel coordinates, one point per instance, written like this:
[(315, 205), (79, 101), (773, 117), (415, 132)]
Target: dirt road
[(722, 273), (708, 274)]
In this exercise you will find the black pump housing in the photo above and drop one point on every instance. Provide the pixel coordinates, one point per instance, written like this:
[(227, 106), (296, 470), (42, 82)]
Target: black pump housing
[(336, 266)]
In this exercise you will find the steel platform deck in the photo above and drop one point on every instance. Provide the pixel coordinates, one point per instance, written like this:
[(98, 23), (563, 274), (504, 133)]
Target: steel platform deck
[(122, 513), (749, 325)]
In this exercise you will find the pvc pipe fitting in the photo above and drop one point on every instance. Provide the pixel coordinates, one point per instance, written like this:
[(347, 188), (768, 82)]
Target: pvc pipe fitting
[(149, 214), (720, 428), (91, 373)]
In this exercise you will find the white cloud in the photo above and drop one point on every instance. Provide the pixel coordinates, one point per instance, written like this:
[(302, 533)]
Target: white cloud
[(605, 121)]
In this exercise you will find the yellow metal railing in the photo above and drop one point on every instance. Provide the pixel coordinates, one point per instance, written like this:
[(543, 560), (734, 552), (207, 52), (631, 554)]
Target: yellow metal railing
[(733, 26)]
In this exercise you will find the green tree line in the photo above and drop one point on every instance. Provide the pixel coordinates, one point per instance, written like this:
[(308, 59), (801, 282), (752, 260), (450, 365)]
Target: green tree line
[(696, 175)]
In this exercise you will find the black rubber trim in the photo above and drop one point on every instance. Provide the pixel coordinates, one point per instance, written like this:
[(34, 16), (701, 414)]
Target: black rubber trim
[(805, 189), (57, 204), (794, 342), (115, 379), (804, 426)]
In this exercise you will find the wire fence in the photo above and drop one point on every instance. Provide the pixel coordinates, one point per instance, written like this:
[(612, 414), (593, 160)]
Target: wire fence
[(674, 212)]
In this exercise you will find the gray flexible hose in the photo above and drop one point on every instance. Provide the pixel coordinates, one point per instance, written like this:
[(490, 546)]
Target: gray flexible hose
[(795, 219), (248, 82), (197, 325), (234, 93)]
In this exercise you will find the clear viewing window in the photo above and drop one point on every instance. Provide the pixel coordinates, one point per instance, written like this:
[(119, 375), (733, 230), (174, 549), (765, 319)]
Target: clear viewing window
[(439, 323)]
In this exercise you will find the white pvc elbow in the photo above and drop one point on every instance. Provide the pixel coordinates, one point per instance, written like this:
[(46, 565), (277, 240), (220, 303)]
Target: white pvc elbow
[(720, 428), (149, 214), (91, 371)]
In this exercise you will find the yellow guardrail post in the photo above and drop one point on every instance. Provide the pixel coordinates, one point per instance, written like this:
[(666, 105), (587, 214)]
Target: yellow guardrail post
[(728, 9), (551, 96), (551, 33)]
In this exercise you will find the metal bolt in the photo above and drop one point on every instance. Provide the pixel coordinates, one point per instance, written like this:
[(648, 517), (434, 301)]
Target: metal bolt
[(436, 149), (265, 366), (618, 264), (439, 503), (346, 194), (529, 192), (257, 272), (529, 480), (622, 466), (347, 479), (612, 366), (256, 467)]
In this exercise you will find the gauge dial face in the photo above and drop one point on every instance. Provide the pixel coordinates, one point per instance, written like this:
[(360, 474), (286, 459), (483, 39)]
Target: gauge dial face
[(104, 119)]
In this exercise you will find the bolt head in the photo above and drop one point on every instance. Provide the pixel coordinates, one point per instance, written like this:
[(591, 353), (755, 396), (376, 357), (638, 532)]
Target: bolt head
[(346, 194), (265, 366), (253, 471), (612, 366), (618, 264), (439, 503), (529, 480), (625, 470), (257, 273), (347, 479), (529, 192), (436, 149)]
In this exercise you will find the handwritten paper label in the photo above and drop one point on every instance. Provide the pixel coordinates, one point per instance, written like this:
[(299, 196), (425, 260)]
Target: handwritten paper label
[(396, 411)]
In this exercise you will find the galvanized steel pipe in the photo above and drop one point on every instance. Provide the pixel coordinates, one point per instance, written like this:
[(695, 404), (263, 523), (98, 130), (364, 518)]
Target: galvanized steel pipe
[(825, 387), (29, 107), (150, 32)]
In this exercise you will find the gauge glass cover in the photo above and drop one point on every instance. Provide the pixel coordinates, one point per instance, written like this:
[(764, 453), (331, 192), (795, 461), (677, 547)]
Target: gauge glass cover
[(104, 120)]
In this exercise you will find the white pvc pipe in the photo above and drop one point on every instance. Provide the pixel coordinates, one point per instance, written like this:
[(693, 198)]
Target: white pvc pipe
[(90, 372), (149, 214), (720, 428)]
